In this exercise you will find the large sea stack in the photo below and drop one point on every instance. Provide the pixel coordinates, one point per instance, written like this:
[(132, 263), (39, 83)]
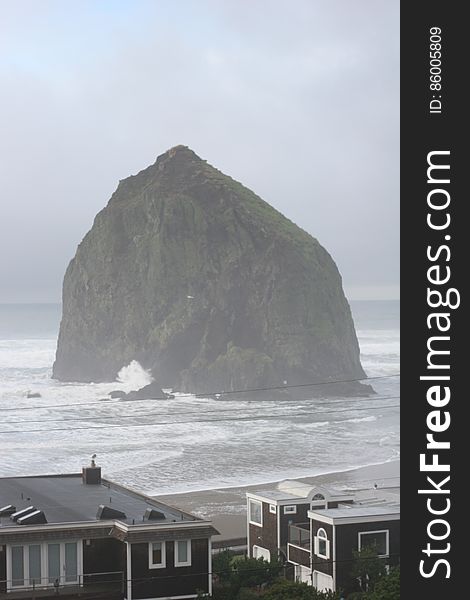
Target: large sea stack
[(193, 275)]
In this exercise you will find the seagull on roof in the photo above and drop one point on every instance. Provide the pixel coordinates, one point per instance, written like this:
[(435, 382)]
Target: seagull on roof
[(190, 297)]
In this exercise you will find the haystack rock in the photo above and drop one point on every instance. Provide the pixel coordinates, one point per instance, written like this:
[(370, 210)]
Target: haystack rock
[(193, 275)]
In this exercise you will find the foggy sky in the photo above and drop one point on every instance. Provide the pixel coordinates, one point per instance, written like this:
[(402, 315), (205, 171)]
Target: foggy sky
[(296, 99)]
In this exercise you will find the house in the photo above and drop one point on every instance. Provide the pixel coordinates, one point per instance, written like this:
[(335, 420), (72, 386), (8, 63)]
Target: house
[(270, 513), (82, 535), (317, 530)]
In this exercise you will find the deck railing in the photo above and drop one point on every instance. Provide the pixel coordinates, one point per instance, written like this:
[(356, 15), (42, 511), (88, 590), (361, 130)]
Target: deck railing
[(299, 535), (107, 581)]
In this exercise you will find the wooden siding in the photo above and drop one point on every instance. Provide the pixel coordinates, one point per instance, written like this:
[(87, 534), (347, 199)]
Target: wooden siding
[(298, 556), (299, 517), (347, 541), (169, 581), (104, 556)]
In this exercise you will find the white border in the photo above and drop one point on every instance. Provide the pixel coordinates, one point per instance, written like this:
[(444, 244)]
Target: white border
[(387, 540), (290, 509), (44, 564), (153, 565), (250, 500), (185, 563), (261, 548)]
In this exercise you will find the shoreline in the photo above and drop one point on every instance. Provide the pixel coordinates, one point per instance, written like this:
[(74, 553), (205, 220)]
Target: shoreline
[(226, 506), (270, 482)]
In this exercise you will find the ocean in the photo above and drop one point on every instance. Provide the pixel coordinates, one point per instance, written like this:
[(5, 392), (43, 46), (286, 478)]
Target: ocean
[(188, 443)]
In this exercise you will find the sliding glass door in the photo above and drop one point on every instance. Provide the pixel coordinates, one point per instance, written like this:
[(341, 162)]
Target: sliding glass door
[(45, 564)]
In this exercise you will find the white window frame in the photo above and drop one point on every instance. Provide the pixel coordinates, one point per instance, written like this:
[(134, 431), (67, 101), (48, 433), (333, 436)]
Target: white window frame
[(290, 509), (161, 565), (273, 509), (321, 535), (387, 541), (44, 563), (183, 563), (260, 504)]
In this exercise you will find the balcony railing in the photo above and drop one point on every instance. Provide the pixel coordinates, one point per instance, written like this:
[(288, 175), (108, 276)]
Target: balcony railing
[(110, 584), (299, 535)]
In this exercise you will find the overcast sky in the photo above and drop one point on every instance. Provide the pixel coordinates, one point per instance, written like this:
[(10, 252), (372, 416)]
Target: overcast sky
[(297, 99)]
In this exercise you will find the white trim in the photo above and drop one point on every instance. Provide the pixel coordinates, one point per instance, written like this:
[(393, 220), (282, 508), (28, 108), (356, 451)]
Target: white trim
[(209, 587), (317, 539), (43, 545), (290, 509), (315, 572), (50, 527), (161, 565), (298, 578), (129, 570), (299, 499), (297, 548), (250, 500), (334, 558), (350, 520), (263, 551), (387, 540), (183, 563), (248, 544), (273, 509)]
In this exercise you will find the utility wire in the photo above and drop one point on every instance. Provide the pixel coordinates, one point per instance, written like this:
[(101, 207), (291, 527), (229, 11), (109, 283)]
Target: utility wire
[(189, 412), (266, 567), (206, 394), (248, 418)]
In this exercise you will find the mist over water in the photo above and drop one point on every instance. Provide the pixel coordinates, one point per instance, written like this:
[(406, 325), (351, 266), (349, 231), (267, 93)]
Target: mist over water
[(162, 446)]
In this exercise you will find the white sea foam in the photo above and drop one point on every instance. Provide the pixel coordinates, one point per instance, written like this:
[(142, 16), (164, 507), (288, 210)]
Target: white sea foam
[(133, 377), (188, 442)]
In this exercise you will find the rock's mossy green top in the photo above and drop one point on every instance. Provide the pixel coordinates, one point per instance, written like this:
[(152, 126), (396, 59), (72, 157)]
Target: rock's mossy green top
[(201, 281)]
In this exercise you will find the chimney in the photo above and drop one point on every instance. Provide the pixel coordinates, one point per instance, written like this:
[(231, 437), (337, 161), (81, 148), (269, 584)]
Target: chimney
[(91, 475)]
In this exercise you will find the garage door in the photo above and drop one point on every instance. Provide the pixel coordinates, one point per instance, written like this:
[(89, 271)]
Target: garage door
[(259, 552), (322, 581), (303, 574)]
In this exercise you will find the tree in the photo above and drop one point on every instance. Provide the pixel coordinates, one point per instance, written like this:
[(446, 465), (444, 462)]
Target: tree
[(236, 575), (387, 587), (293, 590), (368, 568)]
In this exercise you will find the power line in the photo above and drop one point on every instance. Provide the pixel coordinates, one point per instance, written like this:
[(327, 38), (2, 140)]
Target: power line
[(248, 418), (261, 568), (195, 412), (206, 394)]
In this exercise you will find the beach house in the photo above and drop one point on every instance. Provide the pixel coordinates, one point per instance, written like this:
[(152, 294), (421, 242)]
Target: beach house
[(317, 530), (81, 535)]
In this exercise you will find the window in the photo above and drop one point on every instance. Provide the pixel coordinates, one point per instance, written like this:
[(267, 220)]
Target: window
[(255, 512), (272, 509), (35, 564), (318, 501), (377, 540), (321, 544), (182, 553), (290, 510), (157, 555), (17, 566), (44, 564)]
